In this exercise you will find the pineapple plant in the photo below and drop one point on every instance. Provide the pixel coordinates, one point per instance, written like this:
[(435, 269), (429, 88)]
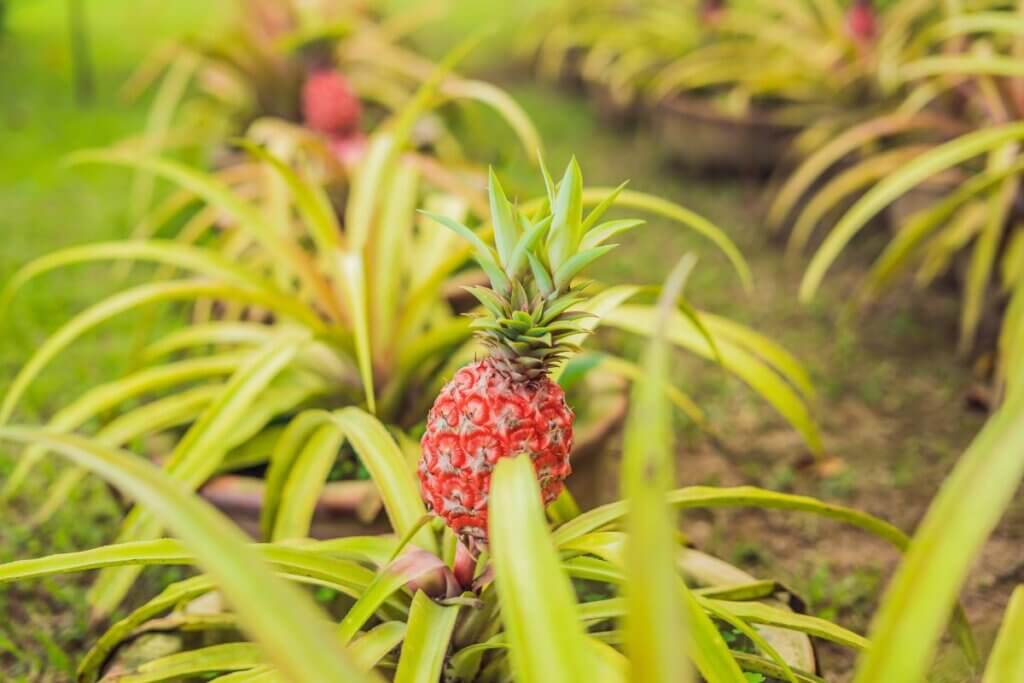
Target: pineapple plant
[(530, 320), (415, 607), (329, 103)]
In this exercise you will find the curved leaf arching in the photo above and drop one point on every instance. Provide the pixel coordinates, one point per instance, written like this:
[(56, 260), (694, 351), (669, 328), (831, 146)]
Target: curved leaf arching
[(294, 635)]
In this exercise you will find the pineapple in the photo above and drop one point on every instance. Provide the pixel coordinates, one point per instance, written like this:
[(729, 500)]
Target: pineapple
[(330, 105), (861, 21), (506, 404)]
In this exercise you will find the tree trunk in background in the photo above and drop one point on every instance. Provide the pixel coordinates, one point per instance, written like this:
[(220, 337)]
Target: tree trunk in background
[(81, 60)]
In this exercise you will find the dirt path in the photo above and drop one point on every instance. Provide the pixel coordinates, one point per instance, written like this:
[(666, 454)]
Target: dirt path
[(891, 401)]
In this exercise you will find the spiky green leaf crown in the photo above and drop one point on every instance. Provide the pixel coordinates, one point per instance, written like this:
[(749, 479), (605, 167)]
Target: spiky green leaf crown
[(528, 317)]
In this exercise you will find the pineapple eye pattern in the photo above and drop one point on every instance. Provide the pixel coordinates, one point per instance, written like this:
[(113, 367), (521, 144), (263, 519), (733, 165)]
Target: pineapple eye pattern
[(482, 415)]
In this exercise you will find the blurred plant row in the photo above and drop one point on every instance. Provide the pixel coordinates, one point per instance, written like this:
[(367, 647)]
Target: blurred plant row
[(901, 116), (305, 197)]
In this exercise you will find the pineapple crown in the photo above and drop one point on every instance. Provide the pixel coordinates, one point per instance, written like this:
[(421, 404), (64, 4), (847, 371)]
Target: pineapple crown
[(527, 321)]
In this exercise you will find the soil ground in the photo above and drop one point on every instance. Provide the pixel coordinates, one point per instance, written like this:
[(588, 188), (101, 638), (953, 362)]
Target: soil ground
[(891, 391)]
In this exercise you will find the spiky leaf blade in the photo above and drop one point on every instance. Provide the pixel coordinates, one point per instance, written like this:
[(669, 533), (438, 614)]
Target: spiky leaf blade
[(566, 217), (426, 641), (654, 620), (1006, 662), (506, 231), (546, 640)]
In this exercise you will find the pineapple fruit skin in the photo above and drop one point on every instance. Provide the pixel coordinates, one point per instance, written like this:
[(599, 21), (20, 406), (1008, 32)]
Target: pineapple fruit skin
[(329, 104), (482, 415)]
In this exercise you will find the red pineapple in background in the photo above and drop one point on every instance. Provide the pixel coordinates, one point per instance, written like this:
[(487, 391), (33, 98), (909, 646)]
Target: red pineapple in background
[(862, 21), (329, 104), (712, 11), (331, 107)]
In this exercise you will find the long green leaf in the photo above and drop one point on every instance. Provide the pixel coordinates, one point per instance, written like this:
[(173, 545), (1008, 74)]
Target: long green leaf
[(760, 613), (288, 448), (1006, 662), (317, 565), (320, 562), (426, 641), (679, 214), (208, 334), (390, 245), (372, 173), (350, 267), (198, 260), (172, 90), (928, 164), (781, 360), (211, 189), (260, 674), (921, 596), (196, 457), (177, 593), (974, 22), (610, 666), (707, 648), (368, 649), (159, 415), (205, 660), (389, 580), (143, 295), (753, 635), (632, 372), (1011, 343), (305, 480), (385, 145), (654, 621), (849, 141), (920, 226), (545, 637), (839, 188), (739, 496), (761, 377), (504, 104), (310, 199), (982, 262), (963, 65), (391, 473), (756, 664), (107, 396)]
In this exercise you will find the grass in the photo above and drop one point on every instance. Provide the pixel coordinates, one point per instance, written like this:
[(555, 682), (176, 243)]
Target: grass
[(44, 205), (44, 625), (890, 390)]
